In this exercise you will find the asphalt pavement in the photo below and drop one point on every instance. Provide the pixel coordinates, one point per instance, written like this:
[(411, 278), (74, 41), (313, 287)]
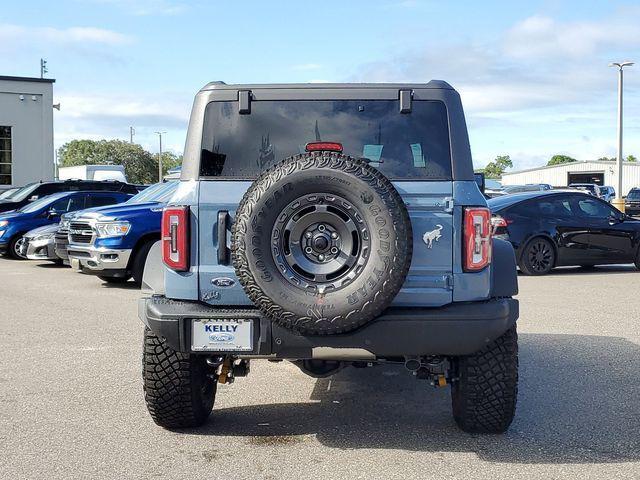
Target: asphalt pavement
[(71, 403)]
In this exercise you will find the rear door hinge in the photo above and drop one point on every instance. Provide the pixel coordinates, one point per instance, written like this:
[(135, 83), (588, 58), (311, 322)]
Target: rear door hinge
[(448, 204), (448, 282)]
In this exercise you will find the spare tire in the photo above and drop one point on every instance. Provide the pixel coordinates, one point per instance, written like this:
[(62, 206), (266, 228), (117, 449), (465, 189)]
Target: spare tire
[(322, 243)]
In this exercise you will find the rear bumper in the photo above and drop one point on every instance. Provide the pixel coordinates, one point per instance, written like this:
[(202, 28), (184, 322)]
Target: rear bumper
[(457, 329)]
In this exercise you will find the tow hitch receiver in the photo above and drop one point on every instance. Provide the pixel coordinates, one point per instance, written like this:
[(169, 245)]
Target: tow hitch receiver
[(435, 369)]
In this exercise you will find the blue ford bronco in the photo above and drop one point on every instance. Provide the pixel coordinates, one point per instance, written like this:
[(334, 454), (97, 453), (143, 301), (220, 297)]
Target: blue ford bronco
[(330, 225)]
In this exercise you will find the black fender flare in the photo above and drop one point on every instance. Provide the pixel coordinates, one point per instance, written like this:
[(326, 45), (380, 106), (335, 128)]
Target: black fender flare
[(504, 276)]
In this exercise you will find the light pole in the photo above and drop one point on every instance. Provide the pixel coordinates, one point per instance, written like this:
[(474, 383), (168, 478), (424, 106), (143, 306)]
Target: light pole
[(132, 132), (619, 202), (160, 156)]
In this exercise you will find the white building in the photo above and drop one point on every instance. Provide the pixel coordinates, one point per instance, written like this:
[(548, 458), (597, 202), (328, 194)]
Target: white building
[(26, 130), (590, 171)]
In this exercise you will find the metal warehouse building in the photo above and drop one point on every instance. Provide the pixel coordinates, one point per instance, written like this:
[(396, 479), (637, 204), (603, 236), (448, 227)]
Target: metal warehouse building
[(590, 171), (26, 130)]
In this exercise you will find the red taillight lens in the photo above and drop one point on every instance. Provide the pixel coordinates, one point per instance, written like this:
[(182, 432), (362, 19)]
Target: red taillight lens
[(175, 238), (319, 146), (477, 238)]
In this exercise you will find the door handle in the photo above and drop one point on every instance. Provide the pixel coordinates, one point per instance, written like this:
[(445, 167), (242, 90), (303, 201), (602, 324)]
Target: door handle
[(224, 254)]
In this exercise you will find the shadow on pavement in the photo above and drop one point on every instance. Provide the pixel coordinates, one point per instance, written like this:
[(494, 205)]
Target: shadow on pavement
[(578, 403), (595, 270)]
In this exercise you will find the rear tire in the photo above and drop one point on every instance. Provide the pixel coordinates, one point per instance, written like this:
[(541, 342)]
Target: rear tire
[(177, 390), (485, 394), (538, 257)]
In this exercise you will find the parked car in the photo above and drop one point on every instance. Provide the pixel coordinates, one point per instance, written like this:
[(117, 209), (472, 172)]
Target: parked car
[(551, 229), (632, 202), (113, 242), (347, 253), (607, 193), (38, 190), (45, 211), (39, 244), (61, 239), (590, 188)]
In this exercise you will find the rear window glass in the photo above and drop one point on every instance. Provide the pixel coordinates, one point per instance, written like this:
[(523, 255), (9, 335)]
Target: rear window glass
[(411, 145)]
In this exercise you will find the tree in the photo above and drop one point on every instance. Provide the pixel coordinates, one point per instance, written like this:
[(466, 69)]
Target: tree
[(140, 166), (496, 168), (631, 158), (560, 159), (606, 159)]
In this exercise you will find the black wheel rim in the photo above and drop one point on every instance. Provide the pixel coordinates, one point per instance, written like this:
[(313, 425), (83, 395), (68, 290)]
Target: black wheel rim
[(320, 242), (540, 256)]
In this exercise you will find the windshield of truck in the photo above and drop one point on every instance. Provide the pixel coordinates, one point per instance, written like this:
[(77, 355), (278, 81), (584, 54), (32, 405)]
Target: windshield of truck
[(160, 192), (412, 145)]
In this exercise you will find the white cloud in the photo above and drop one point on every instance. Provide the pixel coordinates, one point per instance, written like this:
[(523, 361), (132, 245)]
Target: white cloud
[(12, 36), (536, 89), (542, 37)]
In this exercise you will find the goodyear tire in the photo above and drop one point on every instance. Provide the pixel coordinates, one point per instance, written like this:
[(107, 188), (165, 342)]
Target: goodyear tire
[(485, 393), (177, 389), (322, 243)]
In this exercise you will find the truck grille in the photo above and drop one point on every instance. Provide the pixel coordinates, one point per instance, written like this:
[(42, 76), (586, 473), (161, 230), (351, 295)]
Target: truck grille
[(80, 232)]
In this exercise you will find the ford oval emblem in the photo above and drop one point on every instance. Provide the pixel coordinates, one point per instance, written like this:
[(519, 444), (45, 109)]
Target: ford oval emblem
[(221, 337), (223, 282)]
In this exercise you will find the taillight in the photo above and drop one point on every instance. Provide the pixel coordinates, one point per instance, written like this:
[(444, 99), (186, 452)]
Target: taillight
[(175, 238), (477, 238), (323, 146)]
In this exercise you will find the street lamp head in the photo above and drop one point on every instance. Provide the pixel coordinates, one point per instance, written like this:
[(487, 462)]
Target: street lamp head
[(621, 65)]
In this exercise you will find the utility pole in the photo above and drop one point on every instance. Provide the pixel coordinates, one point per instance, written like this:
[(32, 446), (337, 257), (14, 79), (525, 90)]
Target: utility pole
[(132, 132), (160, 156), (619, 202), (43, 67)]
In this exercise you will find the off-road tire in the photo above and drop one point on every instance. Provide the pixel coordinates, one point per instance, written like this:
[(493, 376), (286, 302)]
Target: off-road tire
[(384, 216), (139, 260), (113, 280), (177, 390), (528, 266), (484, 395)]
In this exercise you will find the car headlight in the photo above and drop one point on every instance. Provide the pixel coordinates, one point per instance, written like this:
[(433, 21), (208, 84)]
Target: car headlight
[(46, 236), (112, 229), (4, 223)]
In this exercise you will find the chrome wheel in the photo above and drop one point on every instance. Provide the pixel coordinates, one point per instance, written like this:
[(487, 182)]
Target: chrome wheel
[(20, 248), (320, 242)]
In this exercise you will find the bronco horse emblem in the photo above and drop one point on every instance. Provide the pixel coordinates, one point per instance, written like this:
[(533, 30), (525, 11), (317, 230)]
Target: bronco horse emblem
[(433, 235)]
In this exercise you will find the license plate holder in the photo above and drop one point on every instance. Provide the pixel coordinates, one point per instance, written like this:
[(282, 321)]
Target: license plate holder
[(221, 335)]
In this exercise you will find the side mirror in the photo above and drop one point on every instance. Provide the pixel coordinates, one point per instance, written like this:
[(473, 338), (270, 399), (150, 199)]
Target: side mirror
[(53, 213), (33, 198), (614, 219)]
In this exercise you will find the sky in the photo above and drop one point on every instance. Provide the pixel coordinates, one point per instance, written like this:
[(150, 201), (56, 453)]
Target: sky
[(533, 76)]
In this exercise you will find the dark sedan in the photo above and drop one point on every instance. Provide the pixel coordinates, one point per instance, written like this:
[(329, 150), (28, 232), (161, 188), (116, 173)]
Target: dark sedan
[(560, 228)]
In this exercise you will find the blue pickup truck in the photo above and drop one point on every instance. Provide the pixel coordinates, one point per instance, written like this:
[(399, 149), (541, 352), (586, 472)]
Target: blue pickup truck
[(113, 242), (46, 211)]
